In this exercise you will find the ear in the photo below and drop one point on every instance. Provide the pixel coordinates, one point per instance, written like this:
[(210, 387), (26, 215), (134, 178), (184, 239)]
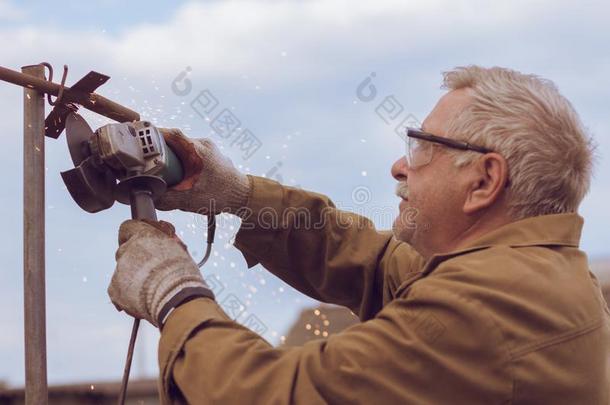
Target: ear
[(486, 182)]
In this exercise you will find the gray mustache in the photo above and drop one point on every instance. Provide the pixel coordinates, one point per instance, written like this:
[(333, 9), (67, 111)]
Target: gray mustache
[(402, 190)]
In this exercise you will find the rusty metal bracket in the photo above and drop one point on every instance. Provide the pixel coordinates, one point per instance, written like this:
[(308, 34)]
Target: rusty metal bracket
[(81, 93), (61, 86)]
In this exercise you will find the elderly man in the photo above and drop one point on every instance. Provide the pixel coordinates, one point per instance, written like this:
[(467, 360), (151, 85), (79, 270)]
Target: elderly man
[(479, 295)]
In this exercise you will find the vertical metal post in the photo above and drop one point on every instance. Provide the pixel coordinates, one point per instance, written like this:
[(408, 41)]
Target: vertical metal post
[(34, 242)]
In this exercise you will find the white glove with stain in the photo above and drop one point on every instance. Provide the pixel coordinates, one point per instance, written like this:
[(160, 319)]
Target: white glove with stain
[(211, 181), (154, 272)]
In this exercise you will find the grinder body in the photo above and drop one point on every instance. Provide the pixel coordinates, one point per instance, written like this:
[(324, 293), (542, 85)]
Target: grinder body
[(115, 159), (136, 147)]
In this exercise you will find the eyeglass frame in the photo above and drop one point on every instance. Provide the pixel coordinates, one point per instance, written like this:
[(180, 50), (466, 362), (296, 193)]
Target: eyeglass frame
[(450, 143)]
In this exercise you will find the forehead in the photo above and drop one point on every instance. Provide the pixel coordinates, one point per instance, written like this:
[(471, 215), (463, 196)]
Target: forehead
[(447, 107)]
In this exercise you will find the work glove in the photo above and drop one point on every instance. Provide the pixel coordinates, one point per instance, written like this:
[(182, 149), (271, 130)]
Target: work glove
[(211, 183), (154, 272)]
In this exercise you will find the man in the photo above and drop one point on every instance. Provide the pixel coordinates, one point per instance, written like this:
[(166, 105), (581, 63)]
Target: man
[(480, 294)]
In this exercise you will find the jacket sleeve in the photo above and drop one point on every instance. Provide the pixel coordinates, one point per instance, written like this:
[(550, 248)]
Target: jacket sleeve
[(328, 254), (417, 350)]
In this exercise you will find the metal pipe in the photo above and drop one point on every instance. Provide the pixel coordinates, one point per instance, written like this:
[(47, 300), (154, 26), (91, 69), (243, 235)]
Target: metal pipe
[(34, 242), (91, 101)]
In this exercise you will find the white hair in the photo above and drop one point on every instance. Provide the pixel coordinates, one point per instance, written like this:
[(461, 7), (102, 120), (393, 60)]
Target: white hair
[(526, 120)]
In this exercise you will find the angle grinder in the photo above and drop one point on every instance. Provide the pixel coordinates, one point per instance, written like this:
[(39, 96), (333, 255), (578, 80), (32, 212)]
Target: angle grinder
[(125, 162), (119, 162)]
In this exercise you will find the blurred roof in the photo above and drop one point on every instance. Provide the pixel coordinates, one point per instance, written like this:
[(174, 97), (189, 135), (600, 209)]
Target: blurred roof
[(318, 323), (138, 391), (601, 269)]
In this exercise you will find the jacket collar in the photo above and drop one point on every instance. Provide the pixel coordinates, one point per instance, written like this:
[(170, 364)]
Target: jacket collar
[(545, 230)]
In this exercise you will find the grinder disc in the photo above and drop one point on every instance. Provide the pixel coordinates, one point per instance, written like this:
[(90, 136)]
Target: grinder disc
[(78, 134), (90, 188)]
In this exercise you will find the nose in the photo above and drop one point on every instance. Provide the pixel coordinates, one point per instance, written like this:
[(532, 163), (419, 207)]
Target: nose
[(399, 169)]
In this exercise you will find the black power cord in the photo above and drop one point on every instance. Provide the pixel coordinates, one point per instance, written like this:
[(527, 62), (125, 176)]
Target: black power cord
[(210, 240)]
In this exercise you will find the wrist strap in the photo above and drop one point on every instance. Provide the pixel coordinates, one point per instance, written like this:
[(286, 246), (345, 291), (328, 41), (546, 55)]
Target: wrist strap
[(185, 295)]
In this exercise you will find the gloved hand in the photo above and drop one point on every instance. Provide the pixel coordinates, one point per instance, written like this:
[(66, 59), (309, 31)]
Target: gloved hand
[(154, 271), (211, 183)]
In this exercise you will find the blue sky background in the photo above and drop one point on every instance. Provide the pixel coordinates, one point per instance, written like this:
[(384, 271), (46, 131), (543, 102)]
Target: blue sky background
[(289, 71)]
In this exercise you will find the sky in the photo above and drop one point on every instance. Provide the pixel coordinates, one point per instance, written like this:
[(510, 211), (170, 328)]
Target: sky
[(290, 72)]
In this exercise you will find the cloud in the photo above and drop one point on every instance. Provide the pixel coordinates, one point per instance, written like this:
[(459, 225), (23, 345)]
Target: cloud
[(10, 12), (276, 40)]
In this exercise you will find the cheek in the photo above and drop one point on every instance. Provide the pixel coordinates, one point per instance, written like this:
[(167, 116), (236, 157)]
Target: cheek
[(450, 200), (439, 198), (424, 193)]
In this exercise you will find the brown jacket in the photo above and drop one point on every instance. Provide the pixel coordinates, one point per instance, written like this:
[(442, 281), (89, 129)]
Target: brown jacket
[(514, 318)]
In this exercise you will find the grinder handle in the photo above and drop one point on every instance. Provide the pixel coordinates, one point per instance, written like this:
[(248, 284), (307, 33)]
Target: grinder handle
[(142, 204)]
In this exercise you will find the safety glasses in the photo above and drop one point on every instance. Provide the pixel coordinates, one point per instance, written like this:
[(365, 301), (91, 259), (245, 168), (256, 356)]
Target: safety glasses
[(420, 146)]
